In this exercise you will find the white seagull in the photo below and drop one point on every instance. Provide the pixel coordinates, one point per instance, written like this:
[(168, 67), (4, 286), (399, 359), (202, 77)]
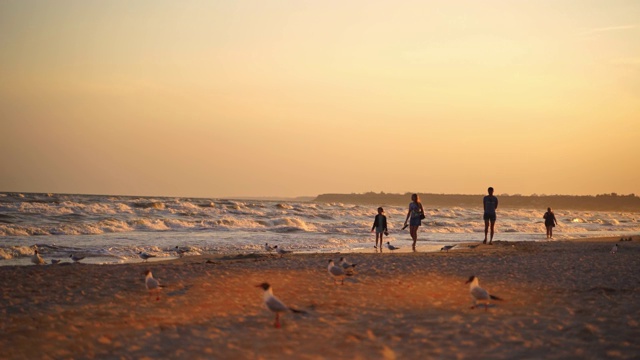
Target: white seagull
[(152, 284), (447, 248), (145, 256), (345, 264), (268, 248), (181, 250), (391, 247), (274, 304), (281, 251), (348, 267), (75, 258), (479, 294), (36, 258), (337, 272), (614, 249)]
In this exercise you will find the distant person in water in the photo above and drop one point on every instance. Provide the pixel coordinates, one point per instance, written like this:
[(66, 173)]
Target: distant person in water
[(414, 216), (380, 227), (549, 222), (490, 204)]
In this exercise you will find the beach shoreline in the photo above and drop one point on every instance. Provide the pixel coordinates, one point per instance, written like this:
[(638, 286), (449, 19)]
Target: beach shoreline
[(564, 299)]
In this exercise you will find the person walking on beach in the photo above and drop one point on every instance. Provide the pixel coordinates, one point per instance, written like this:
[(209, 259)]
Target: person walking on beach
[(380, 227), (414, 216), (549, 222), (490, 204)]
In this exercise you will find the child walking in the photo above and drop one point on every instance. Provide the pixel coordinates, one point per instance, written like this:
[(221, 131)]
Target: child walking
[(380, 227)]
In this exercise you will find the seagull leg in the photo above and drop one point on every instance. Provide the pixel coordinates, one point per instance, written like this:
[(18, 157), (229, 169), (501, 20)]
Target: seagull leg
[(277, 323)]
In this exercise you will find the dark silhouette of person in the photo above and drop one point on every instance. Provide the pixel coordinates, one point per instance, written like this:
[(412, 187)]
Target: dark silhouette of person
[(490, 204)]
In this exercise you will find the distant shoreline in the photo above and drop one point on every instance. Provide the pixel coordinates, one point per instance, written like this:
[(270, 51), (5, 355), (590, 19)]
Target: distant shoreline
[(604, 202)]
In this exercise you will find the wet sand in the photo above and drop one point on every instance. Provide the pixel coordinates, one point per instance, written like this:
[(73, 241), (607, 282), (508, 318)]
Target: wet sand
[(570, 299)]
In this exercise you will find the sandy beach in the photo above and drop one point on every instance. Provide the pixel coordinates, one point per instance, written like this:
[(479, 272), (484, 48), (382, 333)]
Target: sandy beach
[(570, 299)]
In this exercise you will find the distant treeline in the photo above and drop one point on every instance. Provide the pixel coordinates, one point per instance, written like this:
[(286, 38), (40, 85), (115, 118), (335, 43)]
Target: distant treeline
[(604, 202)]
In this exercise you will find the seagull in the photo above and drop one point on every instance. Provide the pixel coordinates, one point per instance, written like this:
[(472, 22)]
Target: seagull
[(614, 249), (145, 256), (348, 268), (55, 261), (281, 251), (180, 251), (447, 247), (152, 284), (337, 272), (36, 258), (274, 304), (479, 294), (472, 246), (75, 258), (345, 264), (391, 247), (268, 248)]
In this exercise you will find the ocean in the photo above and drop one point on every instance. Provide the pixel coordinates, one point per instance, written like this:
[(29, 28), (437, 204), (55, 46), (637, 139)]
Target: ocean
[(114, 229)]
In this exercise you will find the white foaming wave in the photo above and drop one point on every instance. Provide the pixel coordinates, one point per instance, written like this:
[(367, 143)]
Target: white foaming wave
[(149, 205), (284, 206), (294, 223), (232, 222), (179, 224), (43, 209), (15, 251), (76, 229), (17, 230), (114, 226), (149, 224)]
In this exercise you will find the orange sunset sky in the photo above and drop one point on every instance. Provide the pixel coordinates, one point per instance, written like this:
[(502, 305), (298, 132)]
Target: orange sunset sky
[(292, 98)]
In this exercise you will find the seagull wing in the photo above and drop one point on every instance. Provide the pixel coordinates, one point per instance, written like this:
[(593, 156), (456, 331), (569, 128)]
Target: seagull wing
[(336, 271), (275, 305), (152, 283), (479, 293)]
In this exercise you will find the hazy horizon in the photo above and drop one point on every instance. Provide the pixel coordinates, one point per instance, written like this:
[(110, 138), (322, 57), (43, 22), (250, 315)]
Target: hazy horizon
[(260, 99)]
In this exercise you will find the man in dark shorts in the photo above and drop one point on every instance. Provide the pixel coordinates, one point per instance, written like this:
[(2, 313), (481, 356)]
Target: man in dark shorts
[(490, 204)]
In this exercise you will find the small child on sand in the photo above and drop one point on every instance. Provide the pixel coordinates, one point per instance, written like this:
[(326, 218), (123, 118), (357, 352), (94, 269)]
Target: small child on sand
[(380, 226)]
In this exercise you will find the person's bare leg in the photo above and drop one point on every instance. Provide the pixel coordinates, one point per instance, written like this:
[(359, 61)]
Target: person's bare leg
[(493, 223), (414, 236), (486, 231)]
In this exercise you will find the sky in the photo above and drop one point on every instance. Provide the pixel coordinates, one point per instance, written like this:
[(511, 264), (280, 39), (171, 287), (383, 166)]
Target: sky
[(298, 98)]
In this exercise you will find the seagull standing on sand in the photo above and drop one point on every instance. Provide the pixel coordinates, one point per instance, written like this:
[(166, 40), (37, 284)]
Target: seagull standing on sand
[(614, 249), (345, 264), (281, 251), (337, 272), (391, 247), (36, 259), (479, 294), (75, 258), (268, 248), (181, 251), (447, 248), (348, 267), (274, 304), (145, 256), (152, 284)]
